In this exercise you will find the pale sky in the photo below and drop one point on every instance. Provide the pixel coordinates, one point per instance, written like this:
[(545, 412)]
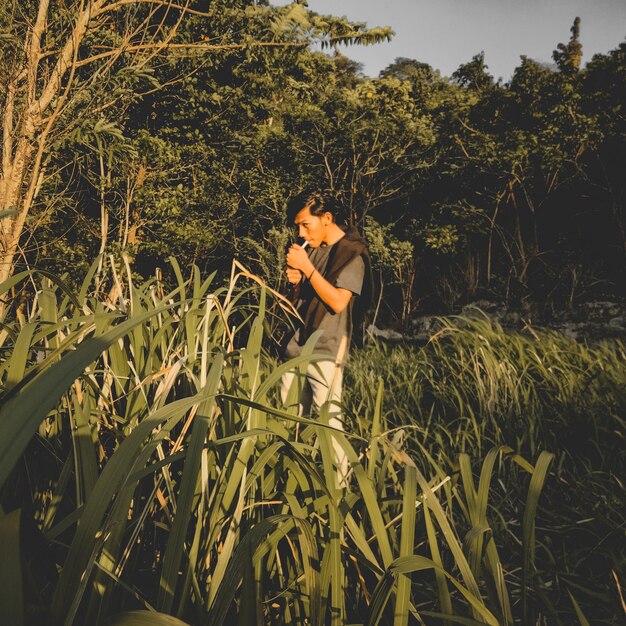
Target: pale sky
[(447, 33)]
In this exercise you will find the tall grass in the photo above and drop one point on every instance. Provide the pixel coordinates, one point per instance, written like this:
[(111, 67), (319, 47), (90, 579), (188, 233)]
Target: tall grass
[(484, 385), (143, 453), (474, 386)]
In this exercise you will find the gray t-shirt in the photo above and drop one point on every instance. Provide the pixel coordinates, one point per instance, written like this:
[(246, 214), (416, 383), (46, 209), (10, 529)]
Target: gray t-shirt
[(335, 326)]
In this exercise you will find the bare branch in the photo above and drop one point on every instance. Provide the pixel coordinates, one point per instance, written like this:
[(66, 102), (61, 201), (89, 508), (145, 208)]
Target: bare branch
[(166, 42)]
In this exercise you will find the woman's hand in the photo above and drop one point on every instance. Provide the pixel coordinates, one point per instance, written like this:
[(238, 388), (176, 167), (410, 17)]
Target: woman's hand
[(298, 259)]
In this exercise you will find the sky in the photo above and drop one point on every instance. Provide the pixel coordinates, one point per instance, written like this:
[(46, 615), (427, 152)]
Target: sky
[(447, 33)]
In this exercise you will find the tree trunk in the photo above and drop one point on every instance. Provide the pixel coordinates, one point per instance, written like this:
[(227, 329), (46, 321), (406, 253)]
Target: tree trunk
[(12, 183), (21, 164)]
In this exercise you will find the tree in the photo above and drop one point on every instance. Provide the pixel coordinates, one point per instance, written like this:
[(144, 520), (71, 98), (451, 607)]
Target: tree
[(568, 56), (474, 74), (604, 96), (88, 59), (59, 70)]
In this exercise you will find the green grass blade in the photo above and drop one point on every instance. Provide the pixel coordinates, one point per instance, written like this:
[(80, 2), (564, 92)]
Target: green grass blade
[(377, 418), (9, 283), (448, 535), (20, 417), (114, 475), (182, 283), (253, 542), (407, 540), (19, 355), (178, 532), (144, 618), (384, 588), (85, 460), (57, 495), (445, 601), (579, 614), (11, 591), (86, 283), (528, 529)]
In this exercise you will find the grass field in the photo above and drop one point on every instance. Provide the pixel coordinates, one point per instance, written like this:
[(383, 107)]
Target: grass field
[(149, 475), (475, 386)]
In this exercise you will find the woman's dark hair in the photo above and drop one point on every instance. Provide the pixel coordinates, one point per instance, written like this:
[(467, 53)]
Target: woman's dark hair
[(316, 201)]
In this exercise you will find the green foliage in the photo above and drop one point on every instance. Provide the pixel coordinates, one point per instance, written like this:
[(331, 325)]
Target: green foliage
[(474, 386), (474, 74), (388, 253), (167, 478), (509, 190), (441, 238), (393, 261), (537, 388), (568, 56)]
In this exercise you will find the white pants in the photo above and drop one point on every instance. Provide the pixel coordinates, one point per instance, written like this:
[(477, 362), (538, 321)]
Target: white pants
[(321, 383)]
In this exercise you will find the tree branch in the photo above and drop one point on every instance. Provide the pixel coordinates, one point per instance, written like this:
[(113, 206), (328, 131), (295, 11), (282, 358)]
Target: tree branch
[(35, 48), (66, 56), (7, 129), (197, 46), (184, 8)]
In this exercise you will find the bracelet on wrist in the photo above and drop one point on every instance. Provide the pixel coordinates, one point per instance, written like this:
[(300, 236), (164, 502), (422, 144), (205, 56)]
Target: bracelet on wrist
[(311, 274)]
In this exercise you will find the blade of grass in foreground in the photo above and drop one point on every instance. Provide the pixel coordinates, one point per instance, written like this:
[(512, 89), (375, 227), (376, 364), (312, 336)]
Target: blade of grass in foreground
[(144, 618), (445, 602), (178, 532), (407, 539), (579, 614), (257, 543), (19, 357), (472, 594), (528, 529), (384, 588), (20, 417), (119, 467), (11, 594), (332, 558)]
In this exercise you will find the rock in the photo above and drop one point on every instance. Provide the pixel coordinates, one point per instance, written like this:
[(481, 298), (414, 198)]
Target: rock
[(386, 333), (589, 321)]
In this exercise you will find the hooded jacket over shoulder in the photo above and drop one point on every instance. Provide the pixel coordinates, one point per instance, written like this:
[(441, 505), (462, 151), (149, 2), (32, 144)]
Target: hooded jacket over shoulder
[(342, 253)]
